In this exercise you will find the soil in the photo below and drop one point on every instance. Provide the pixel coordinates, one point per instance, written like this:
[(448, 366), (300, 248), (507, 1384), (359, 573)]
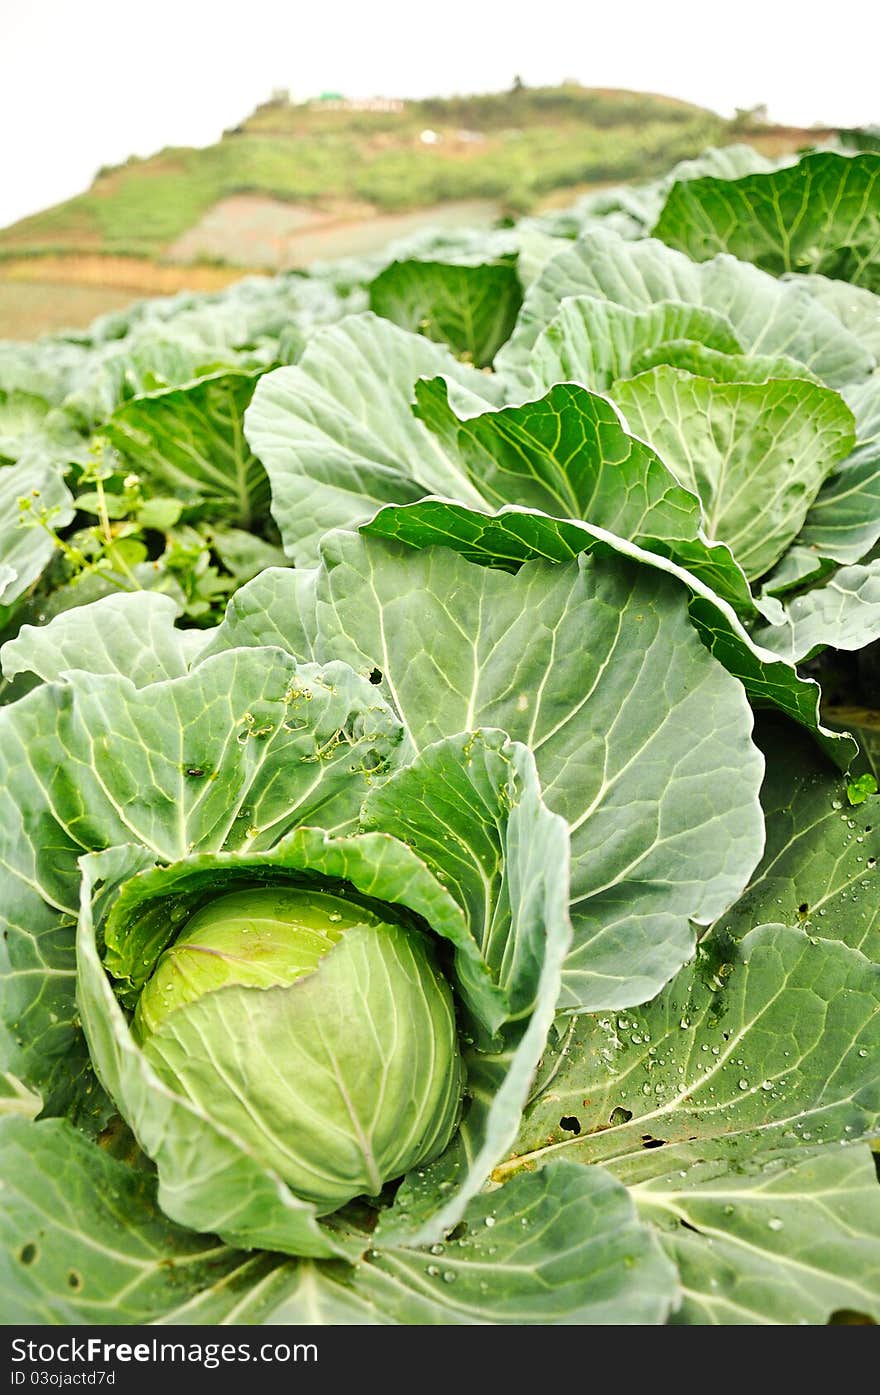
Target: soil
[(254, 231), (42, 294)]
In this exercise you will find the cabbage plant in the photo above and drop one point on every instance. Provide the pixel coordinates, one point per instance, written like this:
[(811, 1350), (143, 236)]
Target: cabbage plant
[(248, 783), (328, 909)]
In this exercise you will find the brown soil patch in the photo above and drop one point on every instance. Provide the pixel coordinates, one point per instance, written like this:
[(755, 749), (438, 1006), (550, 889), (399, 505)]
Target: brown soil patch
[(39, 295), (29, 309), (117, 273), (254, 231)]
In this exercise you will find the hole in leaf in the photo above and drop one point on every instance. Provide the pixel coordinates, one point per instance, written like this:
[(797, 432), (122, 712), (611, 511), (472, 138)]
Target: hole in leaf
[(620, 1116), (27, 1254), (376, 676), (570, 1123), (687, 1225), (458, 1231), (649, 1142), (74, 1280), (803, 908)]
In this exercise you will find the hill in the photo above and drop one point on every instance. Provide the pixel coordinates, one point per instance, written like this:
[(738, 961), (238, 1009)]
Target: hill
[(330, 177)]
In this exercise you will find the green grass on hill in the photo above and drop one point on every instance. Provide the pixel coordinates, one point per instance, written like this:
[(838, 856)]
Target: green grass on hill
[(532, 142)]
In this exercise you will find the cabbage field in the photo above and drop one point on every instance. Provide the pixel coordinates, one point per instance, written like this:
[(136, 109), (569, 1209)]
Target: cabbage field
[(440, 734)]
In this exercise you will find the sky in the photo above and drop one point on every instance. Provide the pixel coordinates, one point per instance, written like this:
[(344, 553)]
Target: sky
[(84, 83)]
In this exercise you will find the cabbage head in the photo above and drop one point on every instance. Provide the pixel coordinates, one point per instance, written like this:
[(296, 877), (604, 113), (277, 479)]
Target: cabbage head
[(263, 1011)]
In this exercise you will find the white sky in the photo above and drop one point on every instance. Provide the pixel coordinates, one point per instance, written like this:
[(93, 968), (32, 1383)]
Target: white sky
[(89, 82)]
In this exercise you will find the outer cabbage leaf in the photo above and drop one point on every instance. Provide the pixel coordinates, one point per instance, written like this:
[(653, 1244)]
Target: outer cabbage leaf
[(632, 211), (129, 634), (595, 342), (151, 358), (570, 660), (17, 1099), (190, 441), (45, 368), (704, 362), (479, 823), (284, 614), (795, 1241), (471, 308), (29, 425), (513, 536), (747, 1003), (768, 316), (556, 1247), (843, 613), (799, 567), (86, 1242), (337, 436), (857, 308), (819, 868), (725, 162), (821, 215), (725, 1102), (756, 454), (569, 455), (844, 521), (25, 547)]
